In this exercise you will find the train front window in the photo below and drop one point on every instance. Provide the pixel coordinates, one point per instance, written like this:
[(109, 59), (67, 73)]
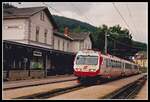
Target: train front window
[(87, 60)]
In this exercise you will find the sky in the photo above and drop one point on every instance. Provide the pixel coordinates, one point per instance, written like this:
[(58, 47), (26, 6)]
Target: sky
[(130, 15)]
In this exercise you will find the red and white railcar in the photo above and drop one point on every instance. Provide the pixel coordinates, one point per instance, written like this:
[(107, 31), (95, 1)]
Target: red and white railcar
[(89, 63)]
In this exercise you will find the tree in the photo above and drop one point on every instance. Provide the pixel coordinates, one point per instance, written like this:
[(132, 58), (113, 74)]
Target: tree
[(119, 40), (78, 29)]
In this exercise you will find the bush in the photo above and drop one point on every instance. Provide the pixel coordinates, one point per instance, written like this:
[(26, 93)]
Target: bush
[(37, 65)]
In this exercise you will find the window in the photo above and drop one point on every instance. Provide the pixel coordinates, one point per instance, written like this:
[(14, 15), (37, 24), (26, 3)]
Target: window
[(45, 35), (113, 63), (108, 63), (128, 66), (37, 33), (86, 60), (58, 43), (42, 16), (68, 46), (63, 45)]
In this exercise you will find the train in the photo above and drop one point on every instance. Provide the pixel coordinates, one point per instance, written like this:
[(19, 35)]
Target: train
[(91, 64)]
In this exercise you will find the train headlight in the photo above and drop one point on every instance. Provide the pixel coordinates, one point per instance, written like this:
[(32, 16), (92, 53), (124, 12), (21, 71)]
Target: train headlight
[(91, 70), (78, 69)]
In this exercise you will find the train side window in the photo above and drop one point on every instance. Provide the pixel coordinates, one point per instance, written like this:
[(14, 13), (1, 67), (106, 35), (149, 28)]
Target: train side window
[(117, 64), (107, 63), (110, 63), (120, 64), (114, 64)]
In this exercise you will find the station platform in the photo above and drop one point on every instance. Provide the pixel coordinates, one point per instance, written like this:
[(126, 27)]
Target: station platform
[(49, 79), (143, 94)]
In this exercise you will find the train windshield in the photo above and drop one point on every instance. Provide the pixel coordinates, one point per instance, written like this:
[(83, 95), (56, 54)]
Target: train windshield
[(86, 60)]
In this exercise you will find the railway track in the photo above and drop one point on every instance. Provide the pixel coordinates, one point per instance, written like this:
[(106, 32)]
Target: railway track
[(60, 91), (129, 91), (52, 93), (38, 84)]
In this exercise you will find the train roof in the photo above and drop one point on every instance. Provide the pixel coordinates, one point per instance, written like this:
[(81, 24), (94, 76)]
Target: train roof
[(106, 56), (88, 51)]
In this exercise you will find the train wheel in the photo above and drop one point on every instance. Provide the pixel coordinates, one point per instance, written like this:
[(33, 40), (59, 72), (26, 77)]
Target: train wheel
[(98, 82), (122, 75), (78, 80), (109, 76)]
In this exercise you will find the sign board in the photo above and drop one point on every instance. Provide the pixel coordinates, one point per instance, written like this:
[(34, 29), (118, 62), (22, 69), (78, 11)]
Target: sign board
[(37, 53), (13, 27)]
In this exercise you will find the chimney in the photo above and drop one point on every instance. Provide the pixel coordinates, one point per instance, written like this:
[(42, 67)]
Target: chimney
[(55, 30), (66, 31)]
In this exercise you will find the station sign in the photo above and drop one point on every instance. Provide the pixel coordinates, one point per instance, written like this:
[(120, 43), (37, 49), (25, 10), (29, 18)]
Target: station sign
[(37, 53)]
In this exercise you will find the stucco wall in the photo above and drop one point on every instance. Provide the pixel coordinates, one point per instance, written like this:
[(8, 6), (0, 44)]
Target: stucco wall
[(61, 47), (81, 45), (14, 29), (46, 24)]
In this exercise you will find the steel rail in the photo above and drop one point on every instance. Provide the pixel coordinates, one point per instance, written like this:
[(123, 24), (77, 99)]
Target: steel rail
[(129, 91)]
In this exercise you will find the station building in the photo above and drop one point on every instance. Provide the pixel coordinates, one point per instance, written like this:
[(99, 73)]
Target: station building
[(140, 59), (33, 47)]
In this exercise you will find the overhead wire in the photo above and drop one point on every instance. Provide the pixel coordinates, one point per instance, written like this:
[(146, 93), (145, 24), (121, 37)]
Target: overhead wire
[(53, 8), (81, 12), (130, 14), (124, 43), (121, 16)]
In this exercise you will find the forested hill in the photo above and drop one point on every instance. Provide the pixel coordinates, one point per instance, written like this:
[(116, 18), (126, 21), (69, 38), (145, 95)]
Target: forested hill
[(74, 25), (97, 36)]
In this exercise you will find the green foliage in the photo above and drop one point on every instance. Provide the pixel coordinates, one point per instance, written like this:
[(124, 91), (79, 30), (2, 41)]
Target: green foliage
[(141, 46), (122, 45), (74, 25), (36, 65)]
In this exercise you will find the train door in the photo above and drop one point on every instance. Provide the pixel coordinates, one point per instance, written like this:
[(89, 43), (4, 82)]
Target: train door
[(102, 66), (108, 68), (123, 68)]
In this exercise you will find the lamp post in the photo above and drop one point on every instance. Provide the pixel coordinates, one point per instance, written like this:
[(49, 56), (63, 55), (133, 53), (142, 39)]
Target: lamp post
[(106, 42)]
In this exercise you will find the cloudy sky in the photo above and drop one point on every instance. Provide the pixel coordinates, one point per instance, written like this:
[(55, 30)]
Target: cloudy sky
[(134, 14)]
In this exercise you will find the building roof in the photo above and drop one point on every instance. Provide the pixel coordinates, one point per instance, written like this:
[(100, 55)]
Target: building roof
[(73, 36), (62, 35), (26, 12), (78, 36), (141, 55), (36, 47)]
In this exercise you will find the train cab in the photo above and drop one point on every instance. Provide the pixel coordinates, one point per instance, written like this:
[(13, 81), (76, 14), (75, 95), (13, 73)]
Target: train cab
[(86, 63)]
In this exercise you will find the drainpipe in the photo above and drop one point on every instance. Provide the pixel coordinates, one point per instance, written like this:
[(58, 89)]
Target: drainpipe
[(29, 30), (46, 56), (29, 35)]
